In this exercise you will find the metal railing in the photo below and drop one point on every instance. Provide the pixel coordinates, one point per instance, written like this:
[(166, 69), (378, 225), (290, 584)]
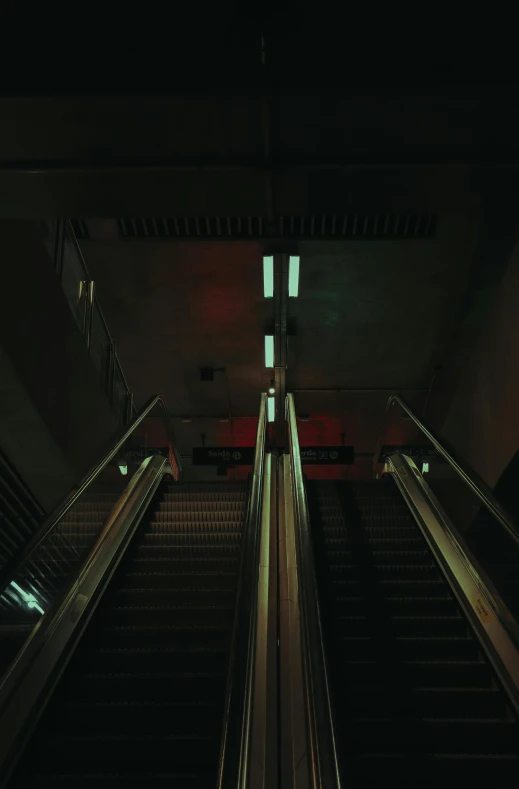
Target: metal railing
[(489, 615), (237, 726), (469, 477), (30, 582), (79, 288), (451, 509), (20, 513), (27, 686), (324, 767)]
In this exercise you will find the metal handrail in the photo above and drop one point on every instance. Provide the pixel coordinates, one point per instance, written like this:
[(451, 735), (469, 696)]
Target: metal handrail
[(240, 677), (324, 765), (470, 478), (29, 681), (61, 510), (67, 225)]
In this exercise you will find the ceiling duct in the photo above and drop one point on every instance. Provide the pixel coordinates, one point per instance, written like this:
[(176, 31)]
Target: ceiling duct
[(376, 227)]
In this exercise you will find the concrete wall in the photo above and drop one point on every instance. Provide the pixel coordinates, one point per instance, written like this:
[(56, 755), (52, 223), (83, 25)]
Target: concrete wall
[(54, 417), (482, 422)]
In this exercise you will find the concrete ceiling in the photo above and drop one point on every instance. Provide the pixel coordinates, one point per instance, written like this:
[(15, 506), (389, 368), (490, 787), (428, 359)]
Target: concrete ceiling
[(372, 317), (268, 150)]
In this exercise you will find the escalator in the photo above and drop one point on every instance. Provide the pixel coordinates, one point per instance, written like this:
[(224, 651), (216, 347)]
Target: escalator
[(129, 626), (318, 634), (414, 699), (142, 699)]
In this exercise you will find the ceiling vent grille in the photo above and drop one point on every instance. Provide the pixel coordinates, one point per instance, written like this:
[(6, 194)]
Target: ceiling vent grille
[(346, 226)]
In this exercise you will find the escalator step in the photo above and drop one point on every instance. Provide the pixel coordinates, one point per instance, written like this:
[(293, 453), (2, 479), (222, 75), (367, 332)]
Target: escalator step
[(384, 558), (130, 717), (139, 660), (198, 509), (432, 648), (166, 597), (189, 539), (208, 498), (175, 616), (119, 752), (207, 527), (424, 673), (444, 735), (175, 518), (437, 701), (411, 626), (430, 587), (121, 780), (117, 636), (382, 543), (480, 769), (162, 533), (406, 606), (223, 551), (149, 686), (188, 579), (411, 572), (168, 566)]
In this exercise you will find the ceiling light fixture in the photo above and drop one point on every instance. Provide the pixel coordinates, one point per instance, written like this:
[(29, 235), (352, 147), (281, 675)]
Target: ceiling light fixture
[(123, 468), (293, 276), (269, 350), (268, 277), (425, 468), (272, 389), (271, 409)]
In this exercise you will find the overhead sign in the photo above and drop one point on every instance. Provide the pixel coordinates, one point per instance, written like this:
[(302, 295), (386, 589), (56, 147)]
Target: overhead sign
[(138, 454), (223, 456), (322, 456), (411, 450)]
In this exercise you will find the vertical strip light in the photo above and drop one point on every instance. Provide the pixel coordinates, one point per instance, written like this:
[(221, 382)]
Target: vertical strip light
[(269, 350), (293, 276), (271, 409), (268, 277)]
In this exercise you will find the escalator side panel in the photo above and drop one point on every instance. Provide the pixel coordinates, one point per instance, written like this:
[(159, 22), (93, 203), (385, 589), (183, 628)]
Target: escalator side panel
[(141, 701), (412, 694)]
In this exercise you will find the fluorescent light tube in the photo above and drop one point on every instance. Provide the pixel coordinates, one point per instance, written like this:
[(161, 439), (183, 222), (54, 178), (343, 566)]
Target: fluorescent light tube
[(293, 276), (268, 277), (269, 350)]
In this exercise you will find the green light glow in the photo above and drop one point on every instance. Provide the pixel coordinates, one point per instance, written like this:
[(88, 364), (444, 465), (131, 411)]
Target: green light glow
[(269, 350), (268, 277), (29, 599), (293, 277)]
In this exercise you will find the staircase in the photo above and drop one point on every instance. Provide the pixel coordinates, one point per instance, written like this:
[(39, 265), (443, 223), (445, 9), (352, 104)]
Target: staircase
[(141, 702), (415, 702), (50, 568)]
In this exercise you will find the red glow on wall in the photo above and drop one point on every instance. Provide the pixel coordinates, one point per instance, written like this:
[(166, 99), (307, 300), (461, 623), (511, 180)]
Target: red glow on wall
[(320, 431)]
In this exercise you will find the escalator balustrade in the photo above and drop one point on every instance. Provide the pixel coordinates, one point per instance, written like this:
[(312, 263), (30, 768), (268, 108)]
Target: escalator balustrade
[(413, 697), (141, 701)]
